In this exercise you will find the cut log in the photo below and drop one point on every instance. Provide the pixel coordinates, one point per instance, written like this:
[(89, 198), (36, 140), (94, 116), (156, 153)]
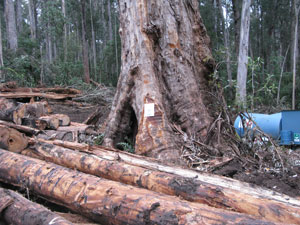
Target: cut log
[(79, 127), (170, 184), (106, 201), (12, 111), (7, 108), (22, 211), (57, 90), (31, 110), (23, 129), (37, 94), (64, 120), (12, 140), (52, 121), (35, 123), (59, 135)]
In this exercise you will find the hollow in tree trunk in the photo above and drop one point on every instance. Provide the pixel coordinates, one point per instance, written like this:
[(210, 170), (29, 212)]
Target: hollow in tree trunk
[(166, 62)]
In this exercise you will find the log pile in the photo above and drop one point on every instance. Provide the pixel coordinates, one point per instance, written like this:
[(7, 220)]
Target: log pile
[(114, 187)]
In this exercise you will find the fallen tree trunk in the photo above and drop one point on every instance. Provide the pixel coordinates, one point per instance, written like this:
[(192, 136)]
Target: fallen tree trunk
[(12, 140), (57, 90), (106, 201), (36, 94), (60, 135), (78, 127), (187, 188), (21, 211)]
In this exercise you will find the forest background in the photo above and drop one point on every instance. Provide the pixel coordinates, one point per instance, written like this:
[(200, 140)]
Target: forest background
[(69, 42)]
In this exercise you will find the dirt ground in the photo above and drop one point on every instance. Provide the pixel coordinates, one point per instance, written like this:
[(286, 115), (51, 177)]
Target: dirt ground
[(287, 183)]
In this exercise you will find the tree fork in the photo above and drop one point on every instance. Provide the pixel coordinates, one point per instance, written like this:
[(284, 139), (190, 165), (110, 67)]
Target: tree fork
[(107, 201), (165, 68)]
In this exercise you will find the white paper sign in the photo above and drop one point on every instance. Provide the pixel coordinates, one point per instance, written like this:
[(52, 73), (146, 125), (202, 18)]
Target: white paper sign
[(149, 110)]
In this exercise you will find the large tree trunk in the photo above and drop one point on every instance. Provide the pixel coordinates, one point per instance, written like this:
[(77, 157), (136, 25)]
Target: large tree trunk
[(165, 63), (22, 211), (11, 28), (187, 188), (109, 202)]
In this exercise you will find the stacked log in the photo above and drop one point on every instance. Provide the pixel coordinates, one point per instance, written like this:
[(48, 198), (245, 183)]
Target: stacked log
[(107, 201), (17, 210), (187, 188)]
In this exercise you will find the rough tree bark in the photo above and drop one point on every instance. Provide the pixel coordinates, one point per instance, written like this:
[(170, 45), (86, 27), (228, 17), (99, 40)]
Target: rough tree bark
[(243, 55), (162, 182), (85, 54), (1, 53), (22, 211), (31, 9), (166, 61), (236, 8), (19, 20), (296, 8), (11, 28)]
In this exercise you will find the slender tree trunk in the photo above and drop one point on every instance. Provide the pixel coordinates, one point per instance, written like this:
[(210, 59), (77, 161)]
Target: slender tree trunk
[(11, 28), (19, 16), (236, 7), (280, 78), (296, 8), (1, 53), (84, 44), (104, 27), (166, 61), (110, 31), (116, 48), (227, 47), (241, 96), (31, 9), (93, 41), (63, 4)]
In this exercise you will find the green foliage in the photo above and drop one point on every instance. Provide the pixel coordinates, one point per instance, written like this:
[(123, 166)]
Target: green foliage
[(99, 139), (126, 147)]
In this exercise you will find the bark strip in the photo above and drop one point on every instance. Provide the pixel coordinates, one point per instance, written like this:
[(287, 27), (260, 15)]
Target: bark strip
[(170, 184), (109, 202)]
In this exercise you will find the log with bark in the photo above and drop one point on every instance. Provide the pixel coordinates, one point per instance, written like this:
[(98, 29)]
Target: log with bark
[(187, 188), (37, 94), (18, 210), (57, 90), (12, 111), (24, 129), (106, 201), (12, 140)]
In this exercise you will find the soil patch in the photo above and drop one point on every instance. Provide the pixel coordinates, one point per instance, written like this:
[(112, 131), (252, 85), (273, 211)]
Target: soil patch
[(284, 182)]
